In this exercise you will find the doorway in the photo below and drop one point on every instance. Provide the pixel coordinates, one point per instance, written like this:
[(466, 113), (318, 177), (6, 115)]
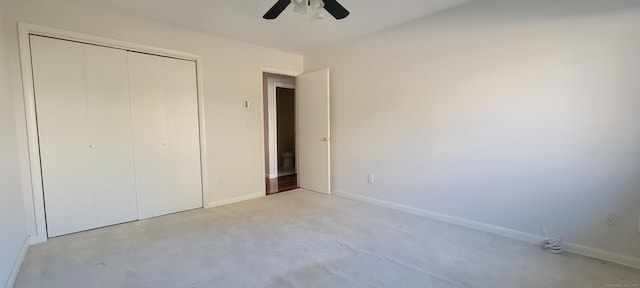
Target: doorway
[(280, 136)]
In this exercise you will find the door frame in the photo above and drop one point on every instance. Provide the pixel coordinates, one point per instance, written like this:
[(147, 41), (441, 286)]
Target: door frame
[(273, 126), (34, 192), (263, 151)]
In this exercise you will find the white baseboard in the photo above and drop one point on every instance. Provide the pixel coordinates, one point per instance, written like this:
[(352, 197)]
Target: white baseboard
[(287, 174), (603, 255), (13, 275), (234, 200), (496, 230)]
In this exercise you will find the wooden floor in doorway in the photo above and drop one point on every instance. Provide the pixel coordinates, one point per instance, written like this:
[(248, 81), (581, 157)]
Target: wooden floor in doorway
[(282, 183)]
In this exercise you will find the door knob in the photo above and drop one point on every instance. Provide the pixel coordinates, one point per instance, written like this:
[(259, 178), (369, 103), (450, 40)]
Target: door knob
[(92, 146), (325, 139)]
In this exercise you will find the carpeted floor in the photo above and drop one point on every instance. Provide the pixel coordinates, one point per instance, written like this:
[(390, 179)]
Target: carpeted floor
[(304, 239)]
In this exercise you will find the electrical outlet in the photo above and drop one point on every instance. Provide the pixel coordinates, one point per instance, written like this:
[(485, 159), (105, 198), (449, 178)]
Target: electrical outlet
[(610, 217), (370, 179)]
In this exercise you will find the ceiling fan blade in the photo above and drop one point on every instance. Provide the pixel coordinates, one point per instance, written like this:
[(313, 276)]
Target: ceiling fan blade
[(335, 9), (277, 8)]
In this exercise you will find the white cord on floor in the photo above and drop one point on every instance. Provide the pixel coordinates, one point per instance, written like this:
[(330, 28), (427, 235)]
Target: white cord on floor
[(553, 245)]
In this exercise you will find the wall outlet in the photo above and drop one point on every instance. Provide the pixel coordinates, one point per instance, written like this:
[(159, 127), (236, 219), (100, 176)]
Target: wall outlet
[(370, 179), (610, 217)]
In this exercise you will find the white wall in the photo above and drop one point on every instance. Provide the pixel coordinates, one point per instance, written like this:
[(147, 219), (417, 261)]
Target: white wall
[(13, 232), (232, 73), (509, 113)]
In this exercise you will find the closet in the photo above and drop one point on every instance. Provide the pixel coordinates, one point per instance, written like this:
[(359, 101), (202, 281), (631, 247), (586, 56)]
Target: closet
[(118, 134)]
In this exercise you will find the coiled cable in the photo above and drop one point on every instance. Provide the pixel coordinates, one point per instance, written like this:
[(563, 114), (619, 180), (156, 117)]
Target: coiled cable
[(553, 245)]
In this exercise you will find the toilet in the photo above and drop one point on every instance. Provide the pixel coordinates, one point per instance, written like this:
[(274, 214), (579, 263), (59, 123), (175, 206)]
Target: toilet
[(287, 160)]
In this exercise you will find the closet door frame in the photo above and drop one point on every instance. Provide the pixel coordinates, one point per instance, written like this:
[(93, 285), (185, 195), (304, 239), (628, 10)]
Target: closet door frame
[(32, 184)]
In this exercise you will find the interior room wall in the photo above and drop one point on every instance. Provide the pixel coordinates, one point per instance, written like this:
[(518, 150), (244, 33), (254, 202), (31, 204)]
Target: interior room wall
[(285, 107), (12, 216), (232, 74), (508, 113)]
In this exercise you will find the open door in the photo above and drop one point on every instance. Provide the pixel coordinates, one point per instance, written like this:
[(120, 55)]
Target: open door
[(313, 159)]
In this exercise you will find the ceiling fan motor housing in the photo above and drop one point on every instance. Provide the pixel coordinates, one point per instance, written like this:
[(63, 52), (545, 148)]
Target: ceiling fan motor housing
[(300, 6)]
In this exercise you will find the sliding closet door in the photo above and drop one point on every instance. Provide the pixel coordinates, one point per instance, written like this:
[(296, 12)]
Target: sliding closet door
[(61, 104), (111, 154), (84, 131), (181, 92), (166, 140)]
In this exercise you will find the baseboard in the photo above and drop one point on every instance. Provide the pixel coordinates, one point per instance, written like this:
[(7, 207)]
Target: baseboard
[(287, 174), (496, 230), (13, 276), (603, 255), (234, 200)]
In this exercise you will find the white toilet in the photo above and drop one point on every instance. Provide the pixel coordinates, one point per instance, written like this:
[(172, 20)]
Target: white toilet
[(287, 161)]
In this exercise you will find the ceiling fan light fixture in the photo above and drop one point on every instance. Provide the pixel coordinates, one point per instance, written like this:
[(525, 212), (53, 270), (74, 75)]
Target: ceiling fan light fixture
[(299, 6), (316, 5)]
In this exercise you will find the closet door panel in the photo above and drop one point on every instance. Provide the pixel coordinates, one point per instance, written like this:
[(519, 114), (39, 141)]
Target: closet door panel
[(61, 104), (107, 88), (84, 128), (166, 134), (183, 133), (150, 141)]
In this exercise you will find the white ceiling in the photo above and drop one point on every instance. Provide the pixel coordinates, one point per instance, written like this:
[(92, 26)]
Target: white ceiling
[(242, 19)]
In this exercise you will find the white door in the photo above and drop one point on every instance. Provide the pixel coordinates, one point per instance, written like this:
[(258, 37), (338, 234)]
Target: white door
[(313, 159), (107, 85), (164, 105), (84, 132)]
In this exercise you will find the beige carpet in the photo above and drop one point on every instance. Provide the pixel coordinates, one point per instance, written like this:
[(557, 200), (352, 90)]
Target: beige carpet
[(304, 239)]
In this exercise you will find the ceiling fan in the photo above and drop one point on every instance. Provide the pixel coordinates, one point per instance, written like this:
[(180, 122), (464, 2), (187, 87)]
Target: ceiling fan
[(332, 6)]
